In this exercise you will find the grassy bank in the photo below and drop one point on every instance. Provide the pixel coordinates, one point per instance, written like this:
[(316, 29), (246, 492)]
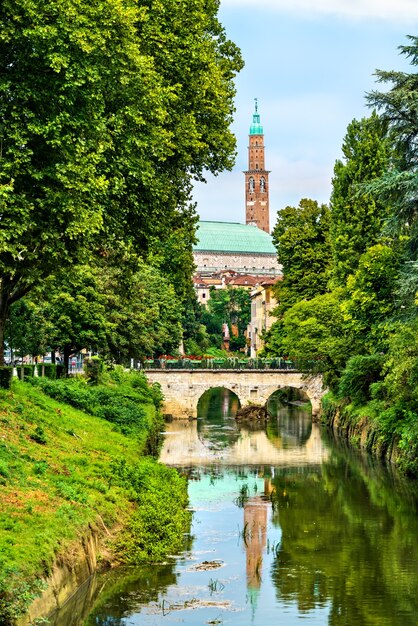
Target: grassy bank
[(388, 431), (63, 469)]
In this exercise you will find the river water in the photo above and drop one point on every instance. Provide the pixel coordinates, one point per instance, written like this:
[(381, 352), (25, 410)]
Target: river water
[(289, 527)]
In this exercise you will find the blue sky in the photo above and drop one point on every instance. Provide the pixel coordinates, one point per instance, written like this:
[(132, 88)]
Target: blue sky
[(309, 63)]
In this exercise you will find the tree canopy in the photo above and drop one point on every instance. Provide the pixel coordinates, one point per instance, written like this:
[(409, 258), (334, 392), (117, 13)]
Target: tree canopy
[(357, 217), (398, 107), (301, 236), (107, 112)]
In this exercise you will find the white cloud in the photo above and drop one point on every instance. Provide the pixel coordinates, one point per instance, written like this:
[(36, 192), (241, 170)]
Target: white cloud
[(394, 10)]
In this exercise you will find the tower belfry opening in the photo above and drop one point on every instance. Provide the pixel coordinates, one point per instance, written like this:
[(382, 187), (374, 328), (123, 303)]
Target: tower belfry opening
[(257, 210)]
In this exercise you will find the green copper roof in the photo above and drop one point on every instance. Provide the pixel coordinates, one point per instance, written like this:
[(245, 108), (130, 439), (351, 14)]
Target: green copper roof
[(256, 127), (232, 237)]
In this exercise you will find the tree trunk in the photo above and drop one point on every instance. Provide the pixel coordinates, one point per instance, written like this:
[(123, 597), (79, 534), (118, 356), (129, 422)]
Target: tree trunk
[(4, 312), (67, 351), (2, 326)]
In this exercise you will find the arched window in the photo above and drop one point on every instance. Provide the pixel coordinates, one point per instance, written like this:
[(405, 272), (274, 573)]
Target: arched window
[(262, 184), (251, 184)]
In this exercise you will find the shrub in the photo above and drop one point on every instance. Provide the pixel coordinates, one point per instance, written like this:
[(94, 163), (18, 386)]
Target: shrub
[(38, 435), (120, 405), (94, 368), (6, 374), (28, 370), (49, 370), (360, 372), (157, 526), (25, 371)]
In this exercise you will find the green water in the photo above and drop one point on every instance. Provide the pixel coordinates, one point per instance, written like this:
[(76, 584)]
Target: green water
[(315, 534)]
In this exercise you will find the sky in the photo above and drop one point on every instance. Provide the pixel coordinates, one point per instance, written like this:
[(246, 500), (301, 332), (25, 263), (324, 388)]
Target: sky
[(310, 64)]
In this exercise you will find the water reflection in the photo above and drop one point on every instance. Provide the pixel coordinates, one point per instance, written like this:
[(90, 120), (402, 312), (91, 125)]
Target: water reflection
[(349, 538), (289, 438), (317, 534), (216, 424)]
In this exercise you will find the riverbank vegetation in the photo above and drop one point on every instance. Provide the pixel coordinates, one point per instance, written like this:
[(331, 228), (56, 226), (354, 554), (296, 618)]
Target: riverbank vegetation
[(65, 469), (348, 300)]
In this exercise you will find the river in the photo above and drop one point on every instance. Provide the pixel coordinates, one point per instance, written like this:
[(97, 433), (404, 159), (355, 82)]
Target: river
[(289, 527)]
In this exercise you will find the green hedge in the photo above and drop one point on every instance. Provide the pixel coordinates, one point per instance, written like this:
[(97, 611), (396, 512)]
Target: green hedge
[(28, 370), (49, 369), (6, 374)]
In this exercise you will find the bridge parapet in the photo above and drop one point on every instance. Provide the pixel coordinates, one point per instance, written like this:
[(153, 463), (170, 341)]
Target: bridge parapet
[(182, 388)]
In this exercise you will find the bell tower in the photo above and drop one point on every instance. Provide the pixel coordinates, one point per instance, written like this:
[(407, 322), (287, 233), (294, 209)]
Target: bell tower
[(257, 178)]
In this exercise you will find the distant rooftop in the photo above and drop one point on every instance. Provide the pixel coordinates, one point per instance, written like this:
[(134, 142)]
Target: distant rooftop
[(233, 237)]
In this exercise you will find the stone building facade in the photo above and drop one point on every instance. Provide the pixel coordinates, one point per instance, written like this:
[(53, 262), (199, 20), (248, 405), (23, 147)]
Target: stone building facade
[(242, 248)]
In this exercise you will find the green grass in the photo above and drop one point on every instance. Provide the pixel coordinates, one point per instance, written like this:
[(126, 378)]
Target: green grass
[(60, 472)]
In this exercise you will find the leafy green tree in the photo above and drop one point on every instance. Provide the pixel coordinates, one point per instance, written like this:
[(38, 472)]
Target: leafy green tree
[(105, 117), (230, 306), (315, 330), (357, 218), (370, 302), (143, 311), (196, 65), (401, 367), (71, 78), (75, 312), (359, 374), (301, 236), (174, 260), (398, 186), (26, 328)]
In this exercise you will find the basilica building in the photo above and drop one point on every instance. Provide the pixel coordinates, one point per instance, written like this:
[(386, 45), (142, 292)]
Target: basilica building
[(243, 255), (242, 248)]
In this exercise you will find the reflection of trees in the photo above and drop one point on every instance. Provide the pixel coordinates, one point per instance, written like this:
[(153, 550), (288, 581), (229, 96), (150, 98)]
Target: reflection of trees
[(347, 540), (290, 426), (217, 403), (217, 409), (122, 595)]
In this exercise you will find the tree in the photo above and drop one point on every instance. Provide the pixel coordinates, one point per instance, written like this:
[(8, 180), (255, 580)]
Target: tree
[(106, 113), (74, 310), (301, 236), (26, 328), (357, 218), (196, 65), (230, 306), (315, 330), (369, 303), (144, 312), (62, 65), (398, 186)]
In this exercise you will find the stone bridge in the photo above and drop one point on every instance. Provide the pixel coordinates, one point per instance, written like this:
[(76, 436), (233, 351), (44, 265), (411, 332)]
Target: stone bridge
[(182, 389)]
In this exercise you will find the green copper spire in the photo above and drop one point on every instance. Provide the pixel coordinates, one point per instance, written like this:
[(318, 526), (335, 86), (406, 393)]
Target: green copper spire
[(256, 128)]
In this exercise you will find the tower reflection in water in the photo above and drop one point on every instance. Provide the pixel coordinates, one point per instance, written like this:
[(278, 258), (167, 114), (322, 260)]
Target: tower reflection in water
[(257, 510)]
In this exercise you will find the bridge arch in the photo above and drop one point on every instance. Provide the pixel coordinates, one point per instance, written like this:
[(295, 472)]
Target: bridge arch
[(229, 402), (183, 388), (288, 395)]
